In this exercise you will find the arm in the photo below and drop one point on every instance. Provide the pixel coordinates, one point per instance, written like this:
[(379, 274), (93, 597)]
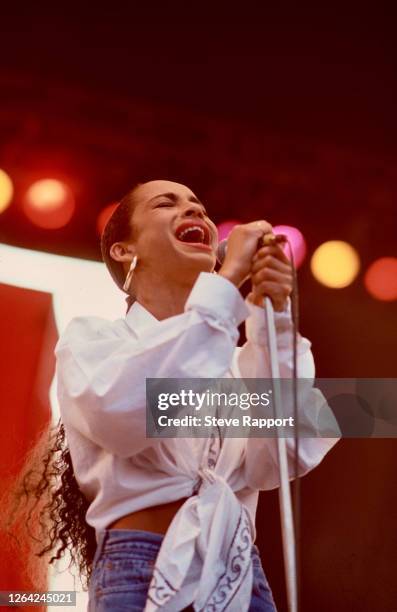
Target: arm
[(252, 361), (101, 375)]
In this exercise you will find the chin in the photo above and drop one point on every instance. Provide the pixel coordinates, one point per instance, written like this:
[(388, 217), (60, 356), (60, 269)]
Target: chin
[(195, 257), (204, 262)]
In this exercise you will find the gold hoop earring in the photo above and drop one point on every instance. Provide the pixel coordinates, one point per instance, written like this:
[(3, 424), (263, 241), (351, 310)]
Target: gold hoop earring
[(130, 274)]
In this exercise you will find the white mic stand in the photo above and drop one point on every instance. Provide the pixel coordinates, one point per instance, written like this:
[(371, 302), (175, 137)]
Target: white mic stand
[(286, 515)]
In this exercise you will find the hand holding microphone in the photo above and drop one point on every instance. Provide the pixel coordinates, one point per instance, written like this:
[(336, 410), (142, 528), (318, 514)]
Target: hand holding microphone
[(271, 275), (242, 245), (268, 267)]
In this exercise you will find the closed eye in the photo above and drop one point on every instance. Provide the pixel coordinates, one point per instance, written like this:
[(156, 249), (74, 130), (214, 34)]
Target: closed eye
[(169, 204), (164, 204)]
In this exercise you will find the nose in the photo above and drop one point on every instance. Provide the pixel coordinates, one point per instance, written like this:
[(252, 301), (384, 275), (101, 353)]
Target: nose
[(193, 210)]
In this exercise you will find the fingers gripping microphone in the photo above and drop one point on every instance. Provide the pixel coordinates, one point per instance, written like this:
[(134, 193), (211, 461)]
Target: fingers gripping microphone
[(266, 240)]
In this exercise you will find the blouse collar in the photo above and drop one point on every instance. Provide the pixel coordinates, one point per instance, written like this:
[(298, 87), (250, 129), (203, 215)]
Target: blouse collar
[(139, 318)]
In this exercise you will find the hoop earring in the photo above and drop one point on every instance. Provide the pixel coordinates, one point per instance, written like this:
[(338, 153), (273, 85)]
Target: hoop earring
[(127, 282)]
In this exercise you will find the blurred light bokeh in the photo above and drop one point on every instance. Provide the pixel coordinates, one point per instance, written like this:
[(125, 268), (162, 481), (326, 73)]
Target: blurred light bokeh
[(6, 190), (296, 241), (49, 204), (381, 279), (225, 228), (335, 263), (104, 216)]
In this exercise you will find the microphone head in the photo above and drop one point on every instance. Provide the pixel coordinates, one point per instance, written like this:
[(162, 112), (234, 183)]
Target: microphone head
[(221, 251)]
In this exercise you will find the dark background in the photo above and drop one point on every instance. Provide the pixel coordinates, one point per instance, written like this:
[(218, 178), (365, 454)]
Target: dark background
[(286, 114)]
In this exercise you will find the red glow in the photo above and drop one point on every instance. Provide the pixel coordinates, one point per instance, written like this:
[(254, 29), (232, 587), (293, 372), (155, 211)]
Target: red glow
[(49, 204), (381, 279), (225, 228), (104, 217), (296, 240)]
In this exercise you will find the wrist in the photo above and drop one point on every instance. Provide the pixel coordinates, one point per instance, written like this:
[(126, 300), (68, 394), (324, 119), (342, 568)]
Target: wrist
[(233, 275), (255, 299), (258, 300)]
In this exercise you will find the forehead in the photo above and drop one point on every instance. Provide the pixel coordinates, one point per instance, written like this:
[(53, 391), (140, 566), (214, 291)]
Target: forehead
[(150, 190)]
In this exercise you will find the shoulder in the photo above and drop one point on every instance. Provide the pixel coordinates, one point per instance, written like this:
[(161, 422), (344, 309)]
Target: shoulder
[(90, 328)]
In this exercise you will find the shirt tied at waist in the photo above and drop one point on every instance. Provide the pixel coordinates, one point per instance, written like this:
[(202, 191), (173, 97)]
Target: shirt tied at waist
[(205, 556)]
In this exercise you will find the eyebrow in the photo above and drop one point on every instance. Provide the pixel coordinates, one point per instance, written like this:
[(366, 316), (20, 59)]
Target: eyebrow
[(174, 197)]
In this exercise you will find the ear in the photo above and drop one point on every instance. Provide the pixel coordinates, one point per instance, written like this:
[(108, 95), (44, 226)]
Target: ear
[(122, 251)]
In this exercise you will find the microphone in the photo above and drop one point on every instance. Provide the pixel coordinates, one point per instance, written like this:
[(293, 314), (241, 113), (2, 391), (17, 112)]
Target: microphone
[(266, 240)]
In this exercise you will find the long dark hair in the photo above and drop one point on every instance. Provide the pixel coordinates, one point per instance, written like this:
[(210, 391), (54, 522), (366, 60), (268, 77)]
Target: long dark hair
[(45, 498)]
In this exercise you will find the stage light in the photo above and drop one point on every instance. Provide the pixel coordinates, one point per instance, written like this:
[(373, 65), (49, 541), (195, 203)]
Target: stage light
[(225, 228), (335, 264), (49, 204), (6, 190), (104, 217), (381, 279), (297, 241)]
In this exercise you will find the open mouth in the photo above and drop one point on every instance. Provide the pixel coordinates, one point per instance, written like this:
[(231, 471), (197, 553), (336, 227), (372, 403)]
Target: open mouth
[(193, 232)]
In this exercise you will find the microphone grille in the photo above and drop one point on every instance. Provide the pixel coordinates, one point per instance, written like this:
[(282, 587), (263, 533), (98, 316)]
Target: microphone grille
[(221, 251)]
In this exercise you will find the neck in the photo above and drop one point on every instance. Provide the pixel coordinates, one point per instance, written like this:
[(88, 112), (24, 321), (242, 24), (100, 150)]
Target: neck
[(161, 299)]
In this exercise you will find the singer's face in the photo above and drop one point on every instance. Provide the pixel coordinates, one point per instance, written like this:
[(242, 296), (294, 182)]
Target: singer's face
[(172, 232)]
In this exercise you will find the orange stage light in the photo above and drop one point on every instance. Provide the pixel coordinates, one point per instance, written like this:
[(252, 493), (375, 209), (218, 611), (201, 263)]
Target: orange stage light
[(335, 264), (6, 190), (49, 204), (381, 279)]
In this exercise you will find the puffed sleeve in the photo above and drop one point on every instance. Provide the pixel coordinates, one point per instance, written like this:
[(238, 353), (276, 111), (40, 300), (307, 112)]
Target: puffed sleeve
[(101, 371), (316, 420), (252, 360)]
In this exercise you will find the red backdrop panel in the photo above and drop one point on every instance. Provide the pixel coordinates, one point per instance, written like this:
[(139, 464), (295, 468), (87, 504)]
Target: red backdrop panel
[(28, 337)]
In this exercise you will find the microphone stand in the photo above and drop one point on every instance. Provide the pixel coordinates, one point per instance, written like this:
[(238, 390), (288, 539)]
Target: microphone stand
[(286, 514)]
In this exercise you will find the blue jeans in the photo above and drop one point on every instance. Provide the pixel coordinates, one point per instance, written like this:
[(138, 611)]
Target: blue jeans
[(123, 566)]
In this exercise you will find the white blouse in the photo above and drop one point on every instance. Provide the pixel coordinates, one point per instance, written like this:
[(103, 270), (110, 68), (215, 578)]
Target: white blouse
[(101, 370)]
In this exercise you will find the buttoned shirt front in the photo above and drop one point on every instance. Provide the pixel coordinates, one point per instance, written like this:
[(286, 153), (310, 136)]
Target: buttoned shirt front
[(102, 368)]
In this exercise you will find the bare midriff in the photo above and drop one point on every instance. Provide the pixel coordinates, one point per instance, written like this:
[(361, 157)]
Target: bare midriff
[(155, 518)]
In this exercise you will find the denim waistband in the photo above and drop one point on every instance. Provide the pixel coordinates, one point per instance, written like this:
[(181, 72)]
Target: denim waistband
[(119, 540), (147, 542)]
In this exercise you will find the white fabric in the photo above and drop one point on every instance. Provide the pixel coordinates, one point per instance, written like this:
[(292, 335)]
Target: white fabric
[(101, 372)]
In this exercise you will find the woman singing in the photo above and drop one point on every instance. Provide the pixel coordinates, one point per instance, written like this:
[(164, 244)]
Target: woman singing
[(174, 519)]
